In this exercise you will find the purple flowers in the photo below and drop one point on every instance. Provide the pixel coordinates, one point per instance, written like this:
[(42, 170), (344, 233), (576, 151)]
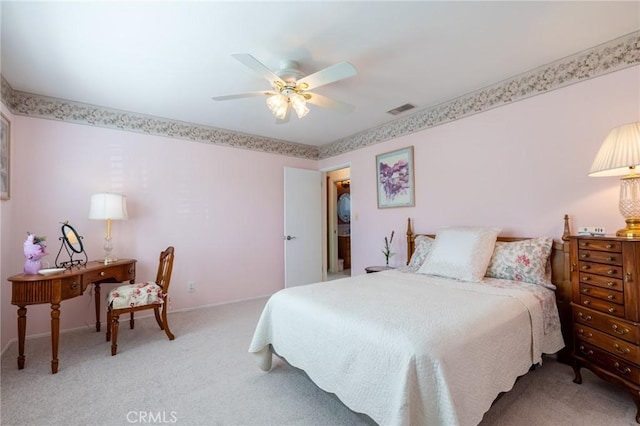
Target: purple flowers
[(394, 179), (387, 247), (34, 247)]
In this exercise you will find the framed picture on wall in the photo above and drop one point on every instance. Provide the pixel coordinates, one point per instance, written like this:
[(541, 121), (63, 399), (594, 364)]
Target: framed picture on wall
[(395, 178), (5, 159)]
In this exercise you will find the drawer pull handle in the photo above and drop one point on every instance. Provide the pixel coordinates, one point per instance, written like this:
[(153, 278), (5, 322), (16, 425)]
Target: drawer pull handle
[(587, 353), (586, 278), (584, 255), (611, 271), (611, 310), (611, 284), (585, 290), (584, 244), (622, 351), (586, 302), (585, 267), (623, 331), (75, 285), (587, 335), (584, 317), (609, 246), (629, 277), (102, 274), (627, 370), (611, 297), (610, 259)]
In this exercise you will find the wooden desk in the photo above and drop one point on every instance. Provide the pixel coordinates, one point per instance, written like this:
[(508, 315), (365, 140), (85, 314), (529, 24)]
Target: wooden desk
[(39, 289)]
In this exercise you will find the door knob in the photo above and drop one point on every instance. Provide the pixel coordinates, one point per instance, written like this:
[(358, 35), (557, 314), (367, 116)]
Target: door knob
[(289, 237)]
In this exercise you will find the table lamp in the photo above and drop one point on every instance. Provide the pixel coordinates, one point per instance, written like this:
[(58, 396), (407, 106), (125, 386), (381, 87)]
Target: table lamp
[(106, 206), (619, 155)]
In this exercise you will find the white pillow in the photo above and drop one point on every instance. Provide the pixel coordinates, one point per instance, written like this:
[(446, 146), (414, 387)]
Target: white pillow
[(461, 253)]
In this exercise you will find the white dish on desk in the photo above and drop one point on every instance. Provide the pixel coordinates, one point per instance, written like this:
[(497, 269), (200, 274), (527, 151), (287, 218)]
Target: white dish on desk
[(51, 271)]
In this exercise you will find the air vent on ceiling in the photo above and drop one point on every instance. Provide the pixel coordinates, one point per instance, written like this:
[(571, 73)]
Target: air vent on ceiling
[(401, 109)]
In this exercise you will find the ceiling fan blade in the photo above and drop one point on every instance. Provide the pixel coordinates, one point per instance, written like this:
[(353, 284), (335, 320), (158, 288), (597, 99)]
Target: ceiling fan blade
[(325, 102), (287, 115), (243, 95), (328, 75), (258, 67)]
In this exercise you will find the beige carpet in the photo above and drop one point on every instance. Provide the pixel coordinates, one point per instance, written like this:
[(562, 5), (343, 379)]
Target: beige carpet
[(206, 377)]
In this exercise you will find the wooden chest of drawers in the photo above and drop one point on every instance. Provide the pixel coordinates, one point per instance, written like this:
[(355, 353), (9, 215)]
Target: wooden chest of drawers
[(605, 282)]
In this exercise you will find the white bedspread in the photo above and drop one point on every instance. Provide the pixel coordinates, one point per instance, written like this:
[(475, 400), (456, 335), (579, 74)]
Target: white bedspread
[(408, 349)]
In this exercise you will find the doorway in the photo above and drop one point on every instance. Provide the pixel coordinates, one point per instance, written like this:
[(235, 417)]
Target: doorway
[(338, 184), (303, 239)]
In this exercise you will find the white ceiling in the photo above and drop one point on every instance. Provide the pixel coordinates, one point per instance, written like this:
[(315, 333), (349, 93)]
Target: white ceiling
[(167, 58)]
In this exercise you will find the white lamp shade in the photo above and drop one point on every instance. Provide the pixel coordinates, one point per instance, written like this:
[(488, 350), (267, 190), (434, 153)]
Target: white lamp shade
[(619, 153), (108, 206)]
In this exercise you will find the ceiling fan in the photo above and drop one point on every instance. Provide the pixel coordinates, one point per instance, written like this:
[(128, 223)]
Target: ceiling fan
[(290, 87)]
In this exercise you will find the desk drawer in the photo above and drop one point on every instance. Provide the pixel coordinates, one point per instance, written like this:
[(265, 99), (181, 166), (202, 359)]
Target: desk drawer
[(45, 291), (114, 273), (71, 287)]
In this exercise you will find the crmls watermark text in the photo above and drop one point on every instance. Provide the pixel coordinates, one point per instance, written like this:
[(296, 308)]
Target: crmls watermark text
[(151, 417)]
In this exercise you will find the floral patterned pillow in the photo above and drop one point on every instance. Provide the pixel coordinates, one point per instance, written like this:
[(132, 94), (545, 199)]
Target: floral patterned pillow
[(525, 260), (423, 245)]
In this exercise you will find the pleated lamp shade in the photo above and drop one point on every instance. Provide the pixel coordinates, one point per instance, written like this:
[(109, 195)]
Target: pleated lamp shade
[(619, 155)]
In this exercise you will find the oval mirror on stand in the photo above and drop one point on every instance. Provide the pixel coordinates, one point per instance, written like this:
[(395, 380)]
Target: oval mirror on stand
[(71, 237), (72, 243)]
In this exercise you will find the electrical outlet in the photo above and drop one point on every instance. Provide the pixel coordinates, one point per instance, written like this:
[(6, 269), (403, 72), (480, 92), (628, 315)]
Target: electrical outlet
[(191, 286)]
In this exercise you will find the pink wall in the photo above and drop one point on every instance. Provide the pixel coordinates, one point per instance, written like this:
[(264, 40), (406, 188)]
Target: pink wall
[(222, 209), (520, 167)]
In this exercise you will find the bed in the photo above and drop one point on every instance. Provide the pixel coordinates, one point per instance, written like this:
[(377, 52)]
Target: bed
[(406, 347)]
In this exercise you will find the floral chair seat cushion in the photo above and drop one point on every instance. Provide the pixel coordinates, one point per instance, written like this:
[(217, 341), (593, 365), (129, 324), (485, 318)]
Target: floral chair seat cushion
[(139, 294)]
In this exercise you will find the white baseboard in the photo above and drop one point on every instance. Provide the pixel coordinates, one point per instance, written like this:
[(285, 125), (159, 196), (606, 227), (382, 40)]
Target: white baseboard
[(92, 326)]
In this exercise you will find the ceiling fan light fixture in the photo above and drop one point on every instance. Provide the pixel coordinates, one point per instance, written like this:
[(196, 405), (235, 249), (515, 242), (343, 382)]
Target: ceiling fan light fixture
[(290, 87), (278, 105), (299, 104)]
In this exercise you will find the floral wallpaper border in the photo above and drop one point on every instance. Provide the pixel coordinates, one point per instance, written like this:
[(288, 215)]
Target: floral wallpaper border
[(615, 55), (23, 103)]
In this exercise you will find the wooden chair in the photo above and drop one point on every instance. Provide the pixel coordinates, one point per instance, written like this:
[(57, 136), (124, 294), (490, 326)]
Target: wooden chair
[(137, 297)]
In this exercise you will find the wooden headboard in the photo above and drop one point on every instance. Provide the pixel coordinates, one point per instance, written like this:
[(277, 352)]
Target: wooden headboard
[(560, 277)]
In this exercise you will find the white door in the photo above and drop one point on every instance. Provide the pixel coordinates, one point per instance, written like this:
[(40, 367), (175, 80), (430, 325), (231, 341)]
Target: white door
[(302, 227)]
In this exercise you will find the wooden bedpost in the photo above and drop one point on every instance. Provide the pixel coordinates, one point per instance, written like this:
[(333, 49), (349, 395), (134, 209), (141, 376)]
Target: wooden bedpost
[(566, 232), (562, 279), (409, 240)]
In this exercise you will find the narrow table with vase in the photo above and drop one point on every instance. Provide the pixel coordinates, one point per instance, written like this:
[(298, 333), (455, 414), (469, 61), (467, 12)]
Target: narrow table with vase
[(28, 289)]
